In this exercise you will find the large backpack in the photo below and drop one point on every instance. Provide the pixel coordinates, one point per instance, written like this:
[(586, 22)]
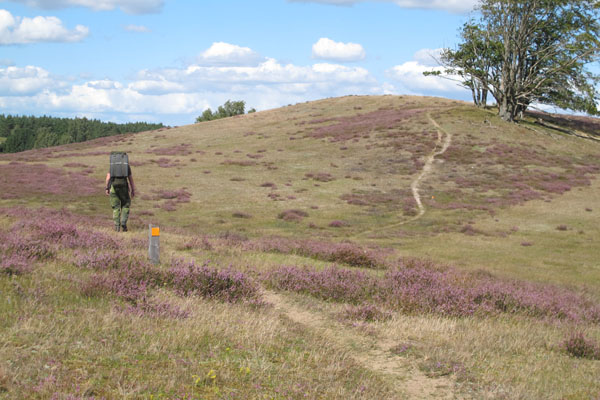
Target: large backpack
[(119, 165)]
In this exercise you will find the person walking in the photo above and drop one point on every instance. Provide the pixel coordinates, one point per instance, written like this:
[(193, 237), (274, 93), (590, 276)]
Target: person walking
[(119, 185)]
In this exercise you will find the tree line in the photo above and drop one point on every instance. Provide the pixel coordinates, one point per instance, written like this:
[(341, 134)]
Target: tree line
[(524, 52), (29, 132)]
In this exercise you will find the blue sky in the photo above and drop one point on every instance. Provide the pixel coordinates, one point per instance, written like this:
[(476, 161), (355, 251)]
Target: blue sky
[(168, 60)]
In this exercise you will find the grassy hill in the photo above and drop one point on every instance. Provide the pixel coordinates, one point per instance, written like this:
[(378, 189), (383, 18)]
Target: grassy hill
[(356, 247)]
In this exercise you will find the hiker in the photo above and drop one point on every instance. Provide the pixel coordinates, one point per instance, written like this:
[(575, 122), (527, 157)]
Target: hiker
[(118, 189)]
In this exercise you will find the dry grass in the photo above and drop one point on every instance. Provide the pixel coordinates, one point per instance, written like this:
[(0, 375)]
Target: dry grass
[(216, 189)]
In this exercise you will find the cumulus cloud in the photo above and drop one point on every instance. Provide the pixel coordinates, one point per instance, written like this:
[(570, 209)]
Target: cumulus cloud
[(428, 57), (17, 30), (409, 77), (136, 28), (26, 81), (178, 95), (327, 49), (268, 72), (135, 7), (455, 6), (222, 54)]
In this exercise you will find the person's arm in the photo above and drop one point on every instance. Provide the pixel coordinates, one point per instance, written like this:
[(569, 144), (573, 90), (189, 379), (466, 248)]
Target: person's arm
[(131, 185), (107, 186)]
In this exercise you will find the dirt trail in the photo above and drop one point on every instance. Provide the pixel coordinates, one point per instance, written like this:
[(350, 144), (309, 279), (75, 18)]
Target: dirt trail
[(444, 139), (373, 353)]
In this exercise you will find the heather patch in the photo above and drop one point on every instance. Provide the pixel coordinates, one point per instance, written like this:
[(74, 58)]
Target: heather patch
[(320, 176), (346, 253), (182, 149), (26, 246), (155, 309), (292, 215), (577, 345), (76, 165), (15, 264), (58, 228), (239, 163), (197, 243), (104, 260), (486, 175), (357, 126), (333, 283), (187, 278), (172, 198), (337, 224), (240, 214), (18, 180), (419, 287), (365, 312), (164, 162), (392, 200)]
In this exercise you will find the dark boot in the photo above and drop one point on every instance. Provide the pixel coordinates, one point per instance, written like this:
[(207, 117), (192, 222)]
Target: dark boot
[(124, 228)]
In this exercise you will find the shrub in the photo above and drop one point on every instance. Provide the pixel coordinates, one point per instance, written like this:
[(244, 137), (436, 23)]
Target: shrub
[(578, 346), (104, 260), (292, 215), (367, 312), (15, 264), (347, 253), (187, 278), (330, 284), (337, 224)]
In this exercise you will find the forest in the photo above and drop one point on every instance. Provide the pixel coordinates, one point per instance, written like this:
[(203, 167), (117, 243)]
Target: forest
[(19, 133)]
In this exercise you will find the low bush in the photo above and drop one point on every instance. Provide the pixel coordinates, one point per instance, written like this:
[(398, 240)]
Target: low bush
[(229, 285), (292, 215), (578, 346)]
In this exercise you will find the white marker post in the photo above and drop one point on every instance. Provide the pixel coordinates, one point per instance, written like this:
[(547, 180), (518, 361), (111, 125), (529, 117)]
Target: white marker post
[(154, 244)]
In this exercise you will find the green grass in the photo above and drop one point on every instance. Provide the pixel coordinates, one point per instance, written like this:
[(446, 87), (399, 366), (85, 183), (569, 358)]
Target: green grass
[(54, 340)]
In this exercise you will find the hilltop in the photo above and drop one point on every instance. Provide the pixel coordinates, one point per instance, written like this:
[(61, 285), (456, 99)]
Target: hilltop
[(462, 245)]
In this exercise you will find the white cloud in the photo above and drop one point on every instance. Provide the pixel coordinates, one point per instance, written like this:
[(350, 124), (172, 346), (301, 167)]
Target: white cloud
[(220, 53), (410, 79), (268, 72), (26, 81), (410, 76), (428, 57), (17, 30), (178, 95), (327, 49), (455, 6), (136, 28), (135, 7)]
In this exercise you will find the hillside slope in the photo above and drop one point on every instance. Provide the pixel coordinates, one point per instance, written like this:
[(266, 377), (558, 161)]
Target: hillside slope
[(462, 246)]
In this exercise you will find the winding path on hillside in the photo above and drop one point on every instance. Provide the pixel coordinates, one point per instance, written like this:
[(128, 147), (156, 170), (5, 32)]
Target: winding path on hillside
[(444, 140), (373, 353)]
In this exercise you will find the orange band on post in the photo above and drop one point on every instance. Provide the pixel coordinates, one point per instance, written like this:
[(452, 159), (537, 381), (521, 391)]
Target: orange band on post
[(155, 231)]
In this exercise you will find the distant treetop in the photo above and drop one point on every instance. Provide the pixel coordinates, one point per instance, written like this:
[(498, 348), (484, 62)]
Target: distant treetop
[(229, 109)]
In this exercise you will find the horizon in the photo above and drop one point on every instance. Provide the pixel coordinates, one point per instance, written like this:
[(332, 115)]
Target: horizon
[(164, 61)]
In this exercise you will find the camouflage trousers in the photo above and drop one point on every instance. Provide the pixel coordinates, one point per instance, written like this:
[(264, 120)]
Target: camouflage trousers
[(120, 203)]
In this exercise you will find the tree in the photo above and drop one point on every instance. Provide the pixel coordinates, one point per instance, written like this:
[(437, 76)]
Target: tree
[(528, 51), (228, 109), (474, 61)]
